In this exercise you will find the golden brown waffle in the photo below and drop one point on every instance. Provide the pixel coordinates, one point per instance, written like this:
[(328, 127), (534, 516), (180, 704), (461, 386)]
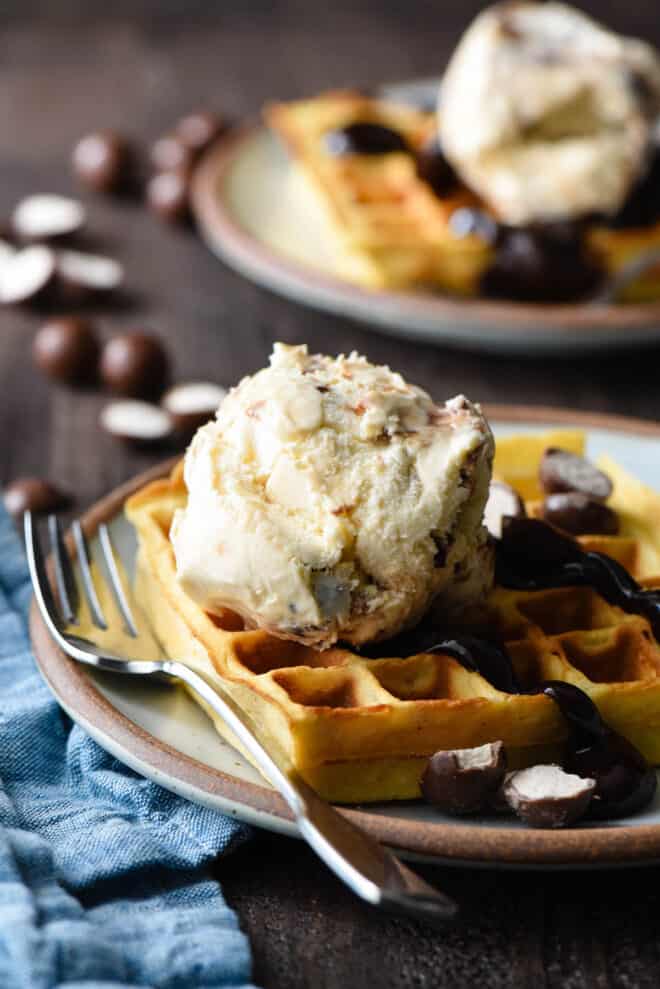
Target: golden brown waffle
[(392, 227), (392, 230), (362, 729), (637, 547)]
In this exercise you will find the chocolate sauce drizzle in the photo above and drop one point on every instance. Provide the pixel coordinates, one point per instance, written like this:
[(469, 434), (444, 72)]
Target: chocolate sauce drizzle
[(364, 138), (624, 780), (488, 659), (540, 262), (531, 556), (434, 169)]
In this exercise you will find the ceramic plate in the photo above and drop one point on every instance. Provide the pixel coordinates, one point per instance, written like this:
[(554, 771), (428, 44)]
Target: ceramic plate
[(161, 733), (252, 215)]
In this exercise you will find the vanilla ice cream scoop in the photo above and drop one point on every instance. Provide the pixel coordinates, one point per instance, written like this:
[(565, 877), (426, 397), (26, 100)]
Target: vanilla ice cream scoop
[(545, 114), (329, 500)]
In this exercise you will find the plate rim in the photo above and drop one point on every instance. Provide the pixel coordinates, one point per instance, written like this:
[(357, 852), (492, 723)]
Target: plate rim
[(438, 841), (251, 257)]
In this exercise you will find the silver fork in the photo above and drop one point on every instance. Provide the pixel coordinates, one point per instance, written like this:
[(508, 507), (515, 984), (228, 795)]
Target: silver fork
[(370, 870)]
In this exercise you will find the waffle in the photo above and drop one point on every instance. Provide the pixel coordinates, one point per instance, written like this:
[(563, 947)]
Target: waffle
[(362, 729), (388, 228), (392, 228), (637, 547)]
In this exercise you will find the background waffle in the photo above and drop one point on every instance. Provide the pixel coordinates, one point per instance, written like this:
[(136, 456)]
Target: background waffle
[(393, 228), (362, 729), (392, 231)]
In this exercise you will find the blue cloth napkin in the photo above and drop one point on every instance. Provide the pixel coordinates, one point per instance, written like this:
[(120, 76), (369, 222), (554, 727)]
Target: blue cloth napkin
[(103, 875)]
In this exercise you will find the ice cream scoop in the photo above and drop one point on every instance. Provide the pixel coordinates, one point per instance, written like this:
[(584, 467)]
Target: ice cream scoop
[(547, 115), (331, 500)]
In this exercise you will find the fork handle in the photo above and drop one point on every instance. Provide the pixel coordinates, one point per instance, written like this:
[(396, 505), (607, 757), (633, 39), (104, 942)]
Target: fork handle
[(370, 870)]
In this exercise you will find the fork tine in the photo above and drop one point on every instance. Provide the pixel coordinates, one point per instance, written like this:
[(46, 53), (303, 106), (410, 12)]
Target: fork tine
[(115, 581), (67, 590), (40, 583), (86, 575)]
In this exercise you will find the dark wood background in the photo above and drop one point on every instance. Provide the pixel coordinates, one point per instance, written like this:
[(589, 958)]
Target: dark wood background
[(136, 66)]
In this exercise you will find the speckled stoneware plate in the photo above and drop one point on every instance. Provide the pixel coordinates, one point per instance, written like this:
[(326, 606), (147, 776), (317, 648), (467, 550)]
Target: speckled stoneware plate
[(251, 215), (161, 733)]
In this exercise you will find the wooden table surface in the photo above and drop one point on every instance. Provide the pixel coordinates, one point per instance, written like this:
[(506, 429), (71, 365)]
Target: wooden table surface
[(137, 68)]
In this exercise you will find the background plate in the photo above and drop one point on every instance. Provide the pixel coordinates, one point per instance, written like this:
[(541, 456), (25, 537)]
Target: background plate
[(162, 734), (253, 217)]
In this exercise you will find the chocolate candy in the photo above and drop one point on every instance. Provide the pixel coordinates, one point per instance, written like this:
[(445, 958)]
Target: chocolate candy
[(463, 781), (170, 154), (137, 423), (35, 495), (191, 404), (27, 275), (67, 350), (562, 471), (545, 796), (498, 803), (503, 502), (134, 365), (167, 196), (363, 138), (102, 161), (44, 217), (198, 129), (625, 783), (576, 513), (433, 168)]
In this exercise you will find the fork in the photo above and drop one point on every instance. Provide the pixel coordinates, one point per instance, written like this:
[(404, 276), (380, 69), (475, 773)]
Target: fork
[(370, 870)]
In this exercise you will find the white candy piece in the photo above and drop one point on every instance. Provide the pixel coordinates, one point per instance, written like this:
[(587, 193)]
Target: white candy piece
[(479, 757), (191, 405), (135, 421), (24, 274), (41, 217), (193, 397), (92, 271), (545, 796), (7, 252)]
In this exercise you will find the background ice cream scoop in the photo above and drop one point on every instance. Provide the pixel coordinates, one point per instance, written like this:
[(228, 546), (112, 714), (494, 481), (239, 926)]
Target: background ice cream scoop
[(546, 114), (332, 500)]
